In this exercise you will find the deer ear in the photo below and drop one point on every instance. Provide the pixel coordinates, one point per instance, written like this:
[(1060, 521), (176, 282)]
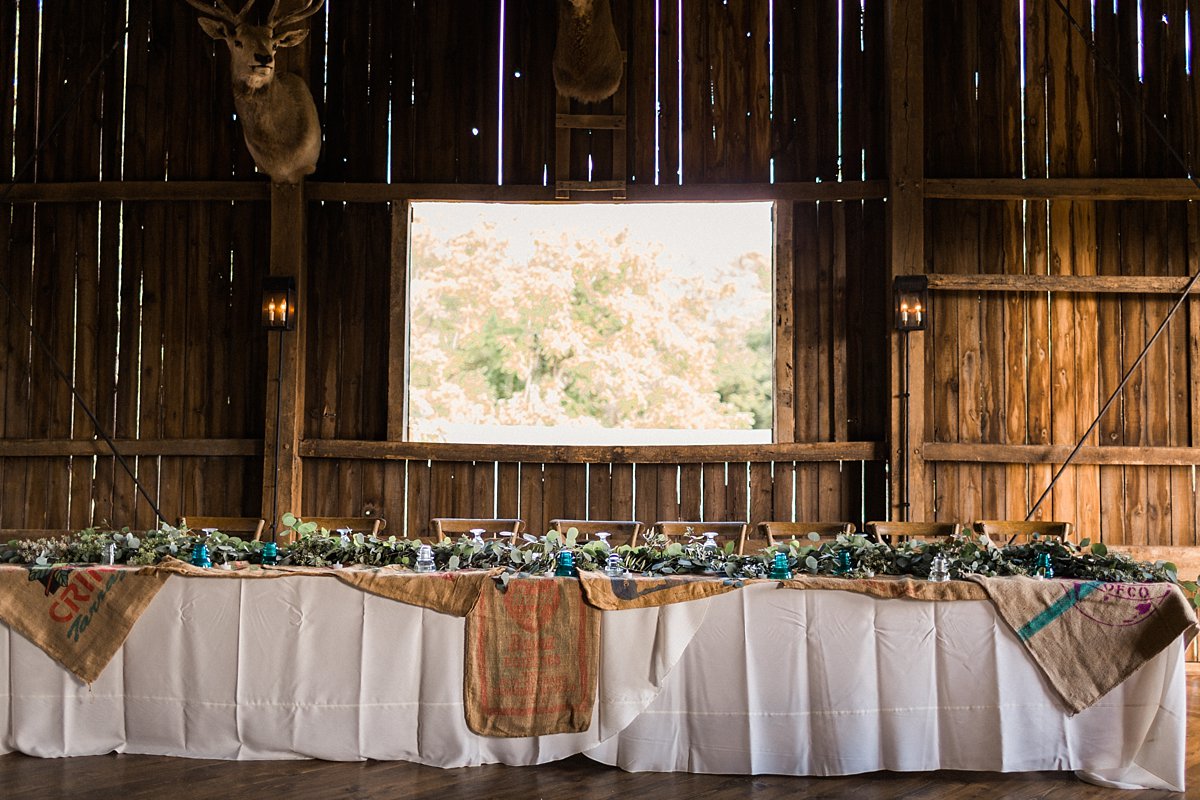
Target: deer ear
[(291, 38), (214, 28)]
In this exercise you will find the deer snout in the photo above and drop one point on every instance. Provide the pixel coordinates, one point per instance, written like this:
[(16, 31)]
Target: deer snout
[(264, 59)]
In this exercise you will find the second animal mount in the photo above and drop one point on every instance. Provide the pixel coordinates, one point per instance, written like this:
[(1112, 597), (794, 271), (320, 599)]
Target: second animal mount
[(277, 112), (588, 62)]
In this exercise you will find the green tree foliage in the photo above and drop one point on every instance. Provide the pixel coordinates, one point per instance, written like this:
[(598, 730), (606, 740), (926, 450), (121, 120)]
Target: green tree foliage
[(584, 332)]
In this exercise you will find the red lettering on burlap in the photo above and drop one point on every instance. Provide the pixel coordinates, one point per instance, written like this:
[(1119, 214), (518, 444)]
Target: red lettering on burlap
[(68, 597)]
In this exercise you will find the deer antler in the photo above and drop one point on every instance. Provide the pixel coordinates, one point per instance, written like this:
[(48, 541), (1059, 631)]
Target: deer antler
[(307, 10), (222, 11)]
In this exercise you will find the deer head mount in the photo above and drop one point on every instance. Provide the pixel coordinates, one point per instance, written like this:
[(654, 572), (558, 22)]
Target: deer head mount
[(587, 56), (279, 118)]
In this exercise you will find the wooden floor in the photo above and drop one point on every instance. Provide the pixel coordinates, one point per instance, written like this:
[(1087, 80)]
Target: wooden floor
[(122, 777)]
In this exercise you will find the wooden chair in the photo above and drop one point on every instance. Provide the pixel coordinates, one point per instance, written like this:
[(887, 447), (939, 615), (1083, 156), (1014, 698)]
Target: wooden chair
[(1003, 531), (896, 532), (371, 525), (623, 531), (772, 533), (236, 525), (449, 527), (726, 531)]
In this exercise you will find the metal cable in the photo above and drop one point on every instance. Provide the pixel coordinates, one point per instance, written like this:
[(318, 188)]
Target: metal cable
[(1107, 67)]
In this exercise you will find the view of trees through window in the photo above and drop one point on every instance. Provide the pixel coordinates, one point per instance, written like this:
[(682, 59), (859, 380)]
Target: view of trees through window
[(590, 324)]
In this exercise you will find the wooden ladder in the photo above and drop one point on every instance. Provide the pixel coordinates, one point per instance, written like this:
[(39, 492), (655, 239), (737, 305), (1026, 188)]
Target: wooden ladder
[(565, 122)]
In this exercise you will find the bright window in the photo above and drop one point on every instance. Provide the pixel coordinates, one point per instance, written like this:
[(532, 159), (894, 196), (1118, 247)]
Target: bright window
[(590, 324)]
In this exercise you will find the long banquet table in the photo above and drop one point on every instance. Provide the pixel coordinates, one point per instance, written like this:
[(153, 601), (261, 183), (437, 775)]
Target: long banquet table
[(760, 680)]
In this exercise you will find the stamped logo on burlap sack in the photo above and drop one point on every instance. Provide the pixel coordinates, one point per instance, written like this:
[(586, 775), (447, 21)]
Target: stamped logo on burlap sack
[(79, 616), (531, 660)]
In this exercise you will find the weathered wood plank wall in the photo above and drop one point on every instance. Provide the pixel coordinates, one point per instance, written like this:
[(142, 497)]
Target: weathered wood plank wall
[(150, 305), (1034, 368)]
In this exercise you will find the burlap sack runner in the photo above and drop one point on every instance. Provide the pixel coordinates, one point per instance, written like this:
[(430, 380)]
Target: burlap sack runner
[(79, 616), (174, 566), (1087, 636), (448, 592), (891, 587), (615, 594), (532, 656)]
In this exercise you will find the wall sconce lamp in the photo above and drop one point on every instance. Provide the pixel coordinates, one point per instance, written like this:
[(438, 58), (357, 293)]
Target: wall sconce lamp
[(279, 303), (911, 296), (278, 314)]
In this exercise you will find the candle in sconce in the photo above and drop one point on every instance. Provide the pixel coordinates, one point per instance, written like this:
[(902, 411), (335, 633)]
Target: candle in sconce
[(918, 311), (271, 311), (904, 313)]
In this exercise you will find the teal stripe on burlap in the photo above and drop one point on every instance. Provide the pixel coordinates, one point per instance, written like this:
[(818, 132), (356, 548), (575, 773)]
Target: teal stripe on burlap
[(1057, 609)]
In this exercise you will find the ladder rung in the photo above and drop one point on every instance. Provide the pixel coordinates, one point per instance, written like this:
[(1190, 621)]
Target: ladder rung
[(590, 186), (602, 122)]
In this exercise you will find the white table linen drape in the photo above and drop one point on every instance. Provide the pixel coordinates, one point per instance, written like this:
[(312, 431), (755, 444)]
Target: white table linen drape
[(761, 680)]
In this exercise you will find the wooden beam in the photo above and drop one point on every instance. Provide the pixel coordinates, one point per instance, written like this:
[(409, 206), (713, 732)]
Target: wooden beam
[(285, 358), (95, 191), (50, 448), (397, 388), (783, 412), (1057, 454), (824, 191), (906, 233), (590, 121), (594, 454), (1061, 189), (1100, 284)]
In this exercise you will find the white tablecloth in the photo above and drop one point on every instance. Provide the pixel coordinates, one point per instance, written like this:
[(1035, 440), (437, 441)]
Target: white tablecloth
[(761, 680)]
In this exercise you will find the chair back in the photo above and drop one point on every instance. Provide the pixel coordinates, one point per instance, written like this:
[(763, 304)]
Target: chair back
[(896, 532), (371, 525), (726, 531), (623, 531), (449, 527), (237, 525), (1003, 531), (771, 533)]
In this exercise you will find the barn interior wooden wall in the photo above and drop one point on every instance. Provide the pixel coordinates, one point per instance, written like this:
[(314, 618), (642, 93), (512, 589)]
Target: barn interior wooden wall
[(975, 142)]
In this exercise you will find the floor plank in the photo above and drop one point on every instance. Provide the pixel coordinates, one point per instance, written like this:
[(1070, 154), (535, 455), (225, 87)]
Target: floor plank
[(134, 777)]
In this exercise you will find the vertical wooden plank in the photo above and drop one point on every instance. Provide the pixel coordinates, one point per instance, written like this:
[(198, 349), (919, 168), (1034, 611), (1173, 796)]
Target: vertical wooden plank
[(784, 498), (397, 357), (599, 491), (419, 479), (87, 368), (554, 494), (906, 247), (1157, 371), (692, 491), (715, 506), (946, 337), (668, 492), (508, 490), (1134, 396), (288, 257), (839, 317), (645, 482), (529, 93), (531, 499), (737, 490), (762, 495), (784, 376), (483, 490), (574, 503), (623, 493), (970, 428), (441, 489), (1109, 370)]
